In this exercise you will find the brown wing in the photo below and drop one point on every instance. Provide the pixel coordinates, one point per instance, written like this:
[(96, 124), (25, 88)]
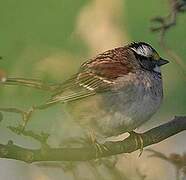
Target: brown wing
[(95, 76)]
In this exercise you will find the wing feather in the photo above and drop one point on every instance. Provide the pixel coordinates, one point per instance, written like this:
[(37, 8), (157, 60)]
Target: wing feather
[(95, 76), (81, 86)]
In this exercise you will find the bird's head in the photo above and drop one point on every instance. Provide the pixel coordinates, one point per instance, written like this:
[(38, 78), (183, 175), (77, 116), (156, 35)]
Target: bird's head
[(148, 57)]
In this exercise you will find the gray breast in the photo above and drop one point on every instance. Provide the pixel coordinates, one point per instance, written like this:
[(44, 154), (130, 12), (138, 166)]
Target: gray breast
[(130, 105)]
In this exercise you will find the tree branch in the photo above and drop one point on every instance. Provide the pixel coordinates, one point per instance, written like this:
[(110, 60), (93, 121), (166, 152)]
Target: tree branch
[(128, 145)]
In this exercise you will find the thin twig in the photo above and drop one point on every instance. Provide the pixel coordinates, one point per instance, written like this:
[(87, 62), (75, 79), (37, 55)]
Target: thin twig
[(165, 24), (26, 115)]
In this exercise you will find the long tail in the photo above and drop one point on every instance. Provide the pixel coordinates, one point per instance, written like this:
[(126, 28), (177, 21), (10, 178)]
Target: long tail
[(34, 83), (47, 104)]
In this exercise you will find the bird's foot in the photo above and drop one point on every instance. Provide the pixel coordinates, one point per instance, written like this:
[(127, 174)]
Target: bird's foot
[(99, 148), (138, 140)]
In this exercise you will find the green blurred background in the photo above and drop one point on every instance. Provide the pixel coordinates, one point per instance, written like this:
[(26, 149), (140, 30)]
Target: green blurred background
[(48, 40)]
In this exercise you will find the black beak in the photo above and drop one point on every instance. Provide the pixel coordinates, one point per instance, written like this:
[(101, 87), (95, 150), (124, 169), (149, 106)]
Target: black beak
[(162, 62)]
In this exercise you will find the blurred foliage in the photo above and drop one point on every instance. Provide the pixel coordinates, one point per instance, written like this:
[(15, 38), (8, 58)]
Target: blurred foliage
[(31, 30)]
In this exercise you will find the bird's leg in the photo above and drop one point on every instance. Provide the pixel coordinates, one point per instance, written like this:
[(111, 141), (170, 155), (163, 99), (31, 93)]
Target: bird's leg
[(88, 139), (100, 148), (138, 140)]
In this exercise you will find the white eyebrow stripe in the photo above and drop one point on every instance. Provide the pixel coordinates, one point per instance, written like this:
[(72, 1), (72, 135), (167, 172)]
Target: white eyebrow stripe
[(143, 50)]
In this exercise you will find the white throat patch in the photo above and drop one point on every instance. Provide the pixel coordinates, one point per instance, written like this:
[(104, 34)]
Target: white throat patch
[(157, 69)]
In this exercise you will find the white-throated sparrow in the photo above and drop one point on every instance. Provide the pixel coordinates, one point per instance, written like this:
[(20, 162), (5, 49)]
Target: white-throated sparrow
[(115, 92)]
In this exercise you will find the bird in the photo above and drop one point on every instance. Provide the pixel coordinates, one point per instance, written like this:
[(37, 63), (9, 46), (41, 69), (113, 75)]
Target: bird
[(115, 92)]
